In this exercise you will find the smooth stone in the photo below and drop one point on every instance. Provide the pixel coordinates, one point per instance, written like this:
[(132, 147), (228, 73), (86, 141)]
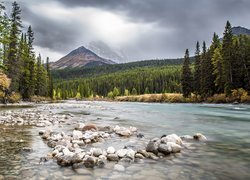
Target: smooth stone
[(130, 153), (152, 146), (77, 134), (51, 143), (111, 150), (96, 151), (64, 160), (67, 152), (89, 162), (77, 158), (175, 147), (187, 137), (143, 152), (119, 168), (122, 152), (126, 160), (171, 138), (101, 163), (165, 149), (152, 156), (139, 155), (112, 157), (200, 137)]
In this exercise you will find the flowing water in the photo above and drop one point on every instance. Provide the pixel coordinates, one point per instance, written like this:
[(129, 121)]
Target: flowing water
[(226, 154)]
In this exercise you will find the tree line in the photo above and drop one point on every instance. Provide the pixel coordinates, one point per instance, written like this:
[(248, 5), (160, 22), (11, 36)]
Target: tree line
[(221, 68), (145, 80), (29, 75)]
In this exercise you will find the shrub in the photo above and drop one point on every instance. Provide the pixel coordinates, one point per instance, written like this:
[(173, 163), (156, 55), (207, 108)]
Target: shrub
[(110, 95), (14, 97)]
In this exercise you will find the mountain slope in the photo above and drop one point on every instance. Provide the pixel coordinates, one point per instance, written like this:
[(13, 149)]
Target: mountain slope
[(78, 58), (240, 31), (103, 50)]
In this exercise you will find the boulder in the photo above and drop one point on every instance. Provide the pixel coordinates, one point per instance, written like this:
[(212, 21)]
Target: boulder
[(112, 157), (175, 147), (171, 138), (130, 154), (139, 156), (122, 152), (64, 160), (96, 152), (46, 134), (152, 146), (89, 162), (90, 127), (77, 135), (111, 150), (200, 137), (77, 158), (165, 149)]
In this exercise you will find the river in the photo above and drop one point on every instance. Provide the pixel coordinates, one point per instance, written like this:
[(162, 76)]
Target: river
[(226, 154)]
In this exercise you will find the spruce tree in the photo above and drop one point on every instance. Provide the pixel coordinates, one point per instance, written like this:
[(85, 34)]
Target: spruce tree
[(12, 62), (197, 70), (217, 70), (186, 79), (227, 58)]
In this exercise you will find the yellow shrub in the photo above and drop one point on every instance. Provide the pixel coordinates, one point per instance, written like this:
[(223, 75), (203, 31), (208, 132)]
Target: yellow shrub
[(14, 98)]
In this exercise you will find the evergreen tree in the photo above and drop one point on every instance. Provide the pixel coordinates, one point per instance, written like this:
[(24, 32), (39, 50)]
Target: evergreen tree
[(197, 70), (217, 70), (50, 80), (186, 79), (12, 62), (227, 58)]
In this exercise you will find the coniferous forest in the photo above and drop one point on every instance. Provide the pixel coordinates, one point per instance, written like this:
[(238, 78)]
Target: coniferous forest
[(23, 74), (223, 68)]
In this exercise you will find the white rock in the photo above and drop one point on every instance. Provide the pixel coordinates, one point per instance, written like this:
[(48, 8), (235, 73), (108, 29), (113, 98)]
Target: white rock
[(119, 167), (96, 151), (80, 125), (130, 154), (77, 134), (175, 148), (111, 150), (122, 152), (200, 137), (67, 152), (132, 129), (171, 138)]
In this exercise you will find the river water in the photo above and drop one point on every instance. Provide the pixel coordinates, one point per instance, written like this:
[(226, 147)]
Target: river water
[(226, 154)]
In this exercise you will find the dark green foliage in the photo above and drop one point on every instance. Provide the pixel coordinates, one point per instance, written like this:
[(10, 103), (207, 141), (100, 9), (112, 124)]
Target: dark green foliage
[(186, 78), (197, 70), (17, 57), (227, 50)]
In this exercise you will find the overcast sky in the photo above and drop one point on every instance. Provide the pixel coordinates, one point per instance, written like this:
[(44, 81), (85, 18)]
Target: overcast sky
[(144, 29)]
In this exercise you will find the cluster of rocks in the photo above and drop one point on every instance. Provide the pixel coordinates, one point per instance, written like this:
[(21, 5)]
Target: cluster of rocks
[(31, 118), (70, 150)]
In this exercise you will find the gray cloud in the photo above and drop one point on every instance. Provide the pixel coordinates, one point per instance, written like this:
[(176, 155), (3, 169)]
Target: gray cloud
[(177, 24)]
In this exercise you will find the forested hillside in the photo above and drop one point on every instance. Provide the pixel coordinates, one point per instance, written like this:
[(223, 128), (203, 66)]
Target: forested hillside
[(26, 72), (84, 72)]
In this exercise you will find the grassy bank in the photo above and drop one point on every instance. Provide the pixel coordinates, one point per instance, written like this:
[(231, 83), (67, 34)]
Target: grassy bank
[(178, 98)]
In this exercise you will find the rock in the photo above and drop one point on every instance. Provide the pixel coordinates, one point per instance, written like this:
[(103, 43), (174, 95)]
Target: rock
[(89, 162), (171, 138), (27, 149), (130, 154), (78, 165), (123, 131), (80, 126), (79, 142), (87, 141), (112, 157), (46, 134), (126, 160), (90, 127), (41, 132), (51, 143), (132, 129), (77, 135), (111, 150), (96, 151), (122, 152), (153, 146), (55, 152), (140, 135), (143, 152), (200, 137), (152, 156), (64, 160), (67, 152), (101, 163), (139, 155), (119, 168), (175, 147), (77, 158), (165, 149), (20, 121)]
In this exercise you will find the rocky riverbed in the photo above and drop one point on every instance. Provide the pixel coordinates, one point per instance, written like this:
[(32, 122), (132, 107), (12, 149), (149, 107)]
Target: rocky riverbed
[(75, 148), (93, 140)]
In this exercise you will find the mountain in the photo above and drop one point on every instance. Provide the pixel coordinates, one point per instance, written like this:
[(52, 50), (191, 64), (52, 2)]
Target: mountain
[(103, 50), (240, 31), (78, 58)]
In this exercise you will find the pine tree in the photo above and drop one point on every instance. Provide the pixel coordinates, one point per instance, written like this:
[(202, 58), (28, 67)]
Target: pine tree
[(217, 70), (197, 70), (186, 80), (227, 58), (50, 80), (12, 62)]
